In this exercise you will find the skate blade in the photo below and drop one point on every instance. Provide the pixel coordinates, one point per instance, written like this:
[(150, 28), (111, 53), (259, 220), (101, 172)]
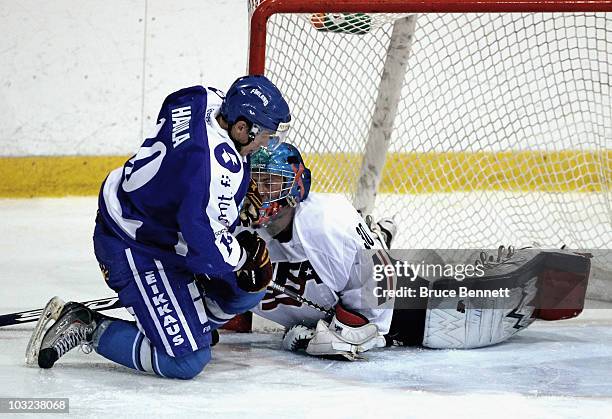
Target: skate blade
[(355, 357), (51, 312)]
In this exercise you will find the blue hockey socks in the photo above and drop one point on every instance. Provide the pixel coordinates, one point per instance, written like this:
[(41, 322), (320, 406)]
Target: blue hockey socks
[(121, 342)]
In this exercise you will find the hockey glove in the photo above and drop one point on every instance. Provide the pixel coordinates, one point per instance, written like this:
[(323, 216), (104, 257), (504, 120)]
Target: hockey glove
[(251, 206), (347, 335), (256, 272), (297, 337)]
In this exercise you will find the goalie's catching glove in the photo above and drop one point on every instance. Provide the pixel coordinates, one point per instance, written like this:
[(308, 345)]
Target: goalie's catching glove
[(297, 337), (256, 272), (251, 206), (348, 334)]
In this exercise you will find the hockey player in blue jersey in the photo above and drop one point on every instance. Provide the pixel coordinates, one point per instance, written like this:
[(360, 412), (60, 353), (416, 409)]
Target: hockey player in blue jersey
[(163, 234)]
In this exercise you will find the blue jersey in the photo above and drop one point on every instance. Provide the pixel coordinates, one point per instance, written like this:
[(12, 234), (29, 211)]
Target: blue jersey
[(178, 198)]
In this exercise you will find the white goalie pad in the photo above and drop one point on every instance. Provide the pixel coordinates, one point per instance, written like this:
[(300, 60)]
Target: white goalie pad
[(51, 312), (468, 327), (548, 284)]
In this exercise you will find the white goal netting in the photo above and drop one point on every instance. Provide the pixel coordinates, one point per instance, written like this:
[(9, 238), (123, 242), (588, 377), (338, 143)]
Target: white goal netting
[(472, 130)]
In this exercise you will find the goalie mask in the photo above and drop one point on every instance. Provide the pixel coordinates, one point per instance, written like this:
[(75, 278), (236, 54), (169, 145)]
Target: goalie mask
[(282, 179)]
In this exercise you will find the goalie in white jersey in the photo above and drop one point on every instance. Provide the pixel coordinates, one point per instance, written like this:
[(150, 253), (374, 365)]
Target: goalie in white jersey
[(313, 247), (320, 282)]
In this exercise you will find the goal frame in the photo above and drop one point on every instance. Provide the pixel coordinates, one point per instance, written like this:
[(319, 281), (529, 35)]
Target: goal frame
[(267, 8)]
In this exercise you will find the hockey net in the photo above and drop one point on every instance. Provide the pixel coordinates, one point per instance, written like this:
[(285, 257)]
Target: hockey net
[(474, 124)]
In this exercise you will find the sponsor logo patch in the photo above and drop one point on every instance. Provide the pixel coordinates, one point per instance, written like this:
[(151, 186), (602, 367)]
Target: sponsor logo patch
[(228, 158)]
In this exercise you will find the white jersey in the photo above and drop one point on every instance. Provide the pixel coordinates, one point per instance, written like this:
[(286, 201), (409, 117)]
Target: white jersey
[(320, 264)]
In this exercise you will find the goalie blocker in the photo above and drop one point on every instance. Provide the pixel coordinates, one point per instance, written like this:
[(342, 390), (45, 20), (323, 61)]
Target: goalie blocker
[(547, 285), (345, 336)]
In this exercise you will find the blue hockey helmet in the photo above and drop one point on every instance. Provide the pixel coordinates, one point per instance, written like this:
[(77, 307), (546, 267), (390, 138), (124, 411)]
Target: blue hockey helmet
[(283, 179), (258, 101)]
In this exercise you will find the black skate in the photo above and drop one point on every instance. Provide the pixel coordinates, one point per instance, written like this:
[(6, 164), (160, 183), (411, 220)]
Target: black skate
[(385, 229), (388, 228), (75, 326)]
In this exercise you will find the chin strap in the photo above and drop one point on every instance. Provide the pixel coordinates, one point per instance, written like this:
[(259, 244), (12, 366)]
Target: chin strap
[(237, 144)]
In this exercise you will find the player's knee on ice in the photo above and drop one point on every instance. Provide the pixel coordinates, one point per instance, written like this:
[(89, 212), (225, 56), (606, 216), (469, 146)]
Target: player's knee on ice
[(187, 366), (121, 342)]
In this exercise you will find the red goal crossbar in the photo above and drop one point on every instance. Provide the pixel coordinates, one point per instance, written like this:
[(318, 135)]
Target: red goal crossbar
[(267, 8)]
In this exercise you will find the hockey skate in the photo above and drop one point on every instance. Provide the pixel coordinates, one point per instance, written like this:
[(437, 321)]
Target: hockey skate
[(74, 327), (51, 312), (388, 228), (385, 229)]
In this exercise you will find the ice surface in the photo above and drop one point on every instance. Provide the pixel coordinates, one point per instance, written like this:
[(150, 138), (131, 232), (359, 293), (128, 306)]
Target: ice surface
[(551, 370)]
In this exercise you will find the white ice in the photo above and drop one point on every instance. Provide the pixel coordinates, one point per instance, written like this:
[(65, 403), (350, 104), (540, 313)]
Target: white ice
[(551, 370)]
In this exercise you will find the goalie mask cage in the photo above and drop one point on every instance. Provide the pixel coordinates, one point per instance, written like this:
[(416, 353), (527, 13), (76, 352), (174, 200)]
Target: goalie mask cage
[(472, 123)]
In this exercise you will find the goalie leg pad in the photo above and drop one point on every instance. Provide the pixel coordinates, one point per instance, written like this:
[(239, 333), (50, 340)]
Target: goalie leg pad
[(549, 285), (563, 285), (475, 324)]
